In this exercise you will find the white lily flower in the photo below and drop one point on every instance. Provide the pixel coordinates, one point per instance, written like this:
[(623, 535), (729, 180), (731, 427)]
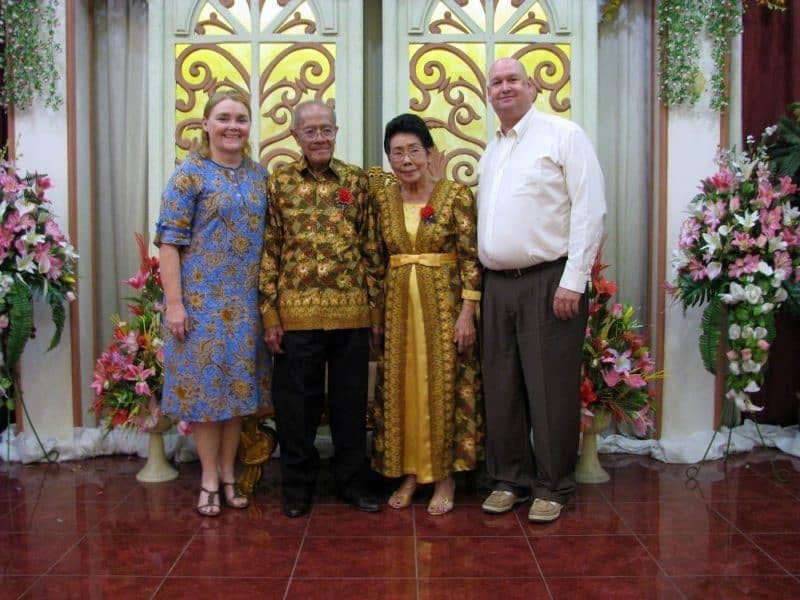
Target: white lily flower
[(32, 238), (734, 332), (751, 366), (25, 263), (775, 244), (764, 268), (26, 207), (790, 214), (724, 230), (748, 220), (752, 387), (753, 293), (713, 269), (713, 242), (679, 260)]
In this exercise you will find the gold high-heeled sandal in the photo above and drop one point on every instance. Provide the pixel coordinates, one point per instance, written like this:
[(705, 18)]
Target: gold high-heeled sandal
[(401, 498)]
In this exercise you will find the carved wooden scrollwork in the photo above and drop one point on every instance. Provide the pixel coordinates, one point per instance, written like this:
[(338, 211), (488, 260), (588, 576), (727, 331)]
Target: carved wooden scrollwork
[(278, 95), (545, 73)]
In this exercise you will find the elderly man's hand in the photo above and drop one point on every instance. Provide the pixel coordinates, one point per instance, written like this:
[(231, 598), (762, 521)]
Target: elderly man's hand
[(565, 303), (273, 336)]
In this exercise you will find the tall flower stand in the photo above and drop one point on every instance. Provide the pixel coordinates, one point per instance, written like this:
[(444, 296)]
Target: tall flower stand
[(157, 468), (589, 469)]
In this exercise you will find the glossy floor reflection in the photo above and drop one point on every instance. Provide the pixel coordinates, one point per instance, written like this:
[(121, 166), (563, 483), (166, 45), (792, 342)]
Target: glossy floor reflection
[(90, 530)]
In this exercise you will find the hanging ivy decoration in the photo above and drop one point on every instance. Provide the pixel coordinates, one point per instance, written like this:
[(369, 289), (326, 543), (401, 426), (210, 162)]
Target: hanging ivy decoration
[(28, 58)]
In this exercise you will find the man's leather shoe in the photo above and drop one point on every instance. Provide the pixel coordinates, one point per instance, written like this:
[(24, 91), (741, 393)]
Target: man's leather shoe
[(365, 502), (296, 508)]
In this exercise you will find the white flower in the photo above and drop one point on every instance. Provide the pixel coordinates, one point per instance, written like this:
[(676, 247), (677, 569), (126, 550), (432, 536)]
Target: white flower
[(733, 367), (759, 333), (724, 230), (736, 294), (6, 281), (781, 295), (751, 366), (752, 387), (713, 269), (713, 242), (25, 263), (32, 238), (790, 214), (764, 268), (743, 402), (770, 130), (26, 207), (765, 308), (748, 332), (753, 293), (748, 220), (734, 332), (679, 260), (776, 243)]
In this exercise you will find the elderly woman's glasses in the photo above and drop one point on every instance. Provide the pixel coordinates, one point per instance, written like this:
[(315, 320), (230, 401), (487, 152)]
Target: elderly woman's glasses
[(414, 153)]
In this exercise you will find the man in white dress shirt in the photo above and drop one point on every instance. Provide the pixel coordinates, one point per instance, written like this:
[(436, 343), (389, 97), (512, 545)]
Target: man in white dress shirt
[(540, 222)]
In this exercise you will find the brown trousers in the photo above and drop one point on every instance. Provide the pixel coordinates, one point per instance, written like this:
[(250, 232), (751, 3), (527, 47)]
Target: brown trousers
[(531, 379)]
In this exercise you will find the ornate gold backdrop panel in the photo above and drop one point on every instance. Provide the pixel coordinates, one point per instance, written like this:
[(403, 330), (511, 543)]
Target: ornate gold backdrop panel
[(270, 49), (447, 70)]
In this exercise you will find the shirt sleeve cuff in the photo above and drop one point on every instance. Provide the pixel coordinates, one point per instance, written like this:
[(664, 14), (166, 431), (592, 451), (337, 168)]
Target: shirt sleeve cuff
[(270, 317), (573, 279), (176, 236), (471, 295)]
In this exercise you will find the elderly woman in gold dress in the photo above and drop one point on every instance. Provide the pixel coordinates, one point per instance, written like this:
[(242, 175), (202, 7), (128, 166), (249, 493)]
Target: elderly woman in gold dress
[(428, 420)]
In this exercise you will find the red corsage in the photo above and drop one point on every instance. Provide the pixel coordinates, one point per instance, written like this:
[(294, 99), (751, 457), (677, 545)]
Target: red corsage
[(426, 213), (345, 198)]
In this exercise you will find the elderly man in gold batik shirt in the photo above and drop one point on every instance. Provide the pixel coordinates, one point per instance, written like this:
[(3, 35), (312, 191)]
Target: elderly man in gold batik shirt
[(321, 280)]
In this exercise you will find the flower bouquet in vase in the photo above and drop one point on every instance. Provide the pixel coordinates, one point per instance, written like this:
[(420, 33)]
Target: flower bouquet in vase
[(129, 375), (616, 372), (739, 255)]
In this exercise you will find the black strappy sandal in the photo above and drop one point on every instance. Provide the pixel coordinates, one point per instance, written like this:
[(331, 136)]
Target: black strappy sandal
[(212, 507), (237, 493)]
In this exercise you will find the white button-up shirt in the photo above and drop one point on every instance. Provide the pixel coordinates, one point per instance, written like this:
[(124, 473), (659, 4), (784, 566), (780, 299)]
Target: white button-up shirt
[(540, 198)]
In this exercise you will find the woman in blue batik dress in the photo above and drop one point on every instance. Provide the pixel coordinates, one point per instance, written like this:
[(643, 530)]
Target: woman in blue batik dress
[(210, 234)]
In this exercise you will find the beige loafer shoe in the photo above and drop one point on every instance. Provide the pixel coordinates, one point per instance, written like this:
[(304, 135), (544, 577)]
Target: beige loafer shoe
[(501, 501), (544, 511)]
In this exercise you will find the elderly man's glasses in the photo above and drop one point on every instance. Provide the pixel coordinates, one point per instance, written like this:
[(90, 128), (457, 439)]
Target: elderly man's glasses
[(414, 153), (311, 133)]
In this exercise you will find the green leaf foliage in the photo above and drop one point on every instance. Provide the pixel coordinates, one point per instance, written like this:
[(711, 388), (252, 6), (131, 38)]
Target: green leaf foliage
[(20, 325), (59, 317), (710, 326), (793, 301)]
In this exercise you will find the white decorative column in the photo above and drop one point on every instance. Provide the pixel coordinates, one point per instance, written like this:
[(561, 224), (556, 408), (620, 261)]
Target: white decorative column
[(41, 136)]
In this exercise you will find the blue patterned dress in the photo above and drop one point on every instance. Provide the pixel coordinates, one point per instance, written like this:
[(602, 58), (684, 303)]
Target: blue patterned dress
[(216, 216)]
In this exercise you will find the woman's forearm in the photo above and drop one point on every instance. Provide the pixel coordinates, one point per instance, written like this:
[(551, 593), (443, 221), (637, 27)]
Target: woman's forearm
[(170, 263)]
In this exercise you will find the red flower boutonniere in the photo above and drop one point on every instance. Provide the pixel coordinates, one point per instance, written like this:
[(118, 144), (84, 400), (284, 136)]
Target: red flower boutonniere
[(345, 198), (427, 214)]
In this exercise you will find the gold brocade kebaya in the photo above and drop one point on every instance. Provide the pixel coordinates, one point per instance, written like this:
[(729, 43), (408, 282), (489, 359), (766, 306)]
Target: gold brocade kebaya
[(428, 417)]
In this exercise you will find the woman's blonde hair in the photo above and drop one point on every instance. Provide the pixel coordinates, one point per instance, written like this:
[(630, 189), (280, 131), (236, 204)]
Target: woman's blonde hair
[(205, 149)]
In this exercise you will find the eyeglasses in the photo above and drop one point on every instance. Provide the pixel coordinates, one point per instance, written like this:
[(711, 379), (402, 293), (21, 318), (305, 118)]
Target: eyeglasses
[(414, 153), (311, 133)]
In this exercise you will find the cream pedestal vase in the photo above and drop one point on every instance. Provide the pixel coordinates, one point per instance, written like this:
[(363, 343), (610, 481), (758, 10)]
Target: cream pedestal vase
[(589, 469), (157, 468)]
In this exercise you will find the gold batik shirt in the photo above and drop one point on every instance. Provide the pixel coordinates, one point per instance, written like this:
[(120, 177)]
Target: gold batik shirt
[(322, 266)]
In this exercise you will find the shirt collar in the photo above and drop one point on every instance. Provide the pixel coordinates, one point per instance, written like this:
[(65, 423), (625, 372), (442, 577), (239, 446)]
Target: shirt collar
[(520, 127), (335, 167)]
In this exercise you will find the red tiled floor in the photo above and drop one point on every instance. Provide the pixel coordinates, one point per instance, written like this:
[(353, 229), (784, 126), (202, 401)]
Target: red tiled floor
[(651, 587), (508, 588), (95, 586), (709, 554), (475, 557), (356, 557), (363, 589), (735, 588), (195, 588), (89, 529)]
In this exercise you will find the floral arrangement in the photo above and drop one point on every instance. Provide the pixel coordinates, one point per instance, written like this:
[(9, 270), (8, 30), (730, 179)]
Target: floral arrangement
[(28, 57), (36, 260), (617, 366), (129, 375), (739, 248)]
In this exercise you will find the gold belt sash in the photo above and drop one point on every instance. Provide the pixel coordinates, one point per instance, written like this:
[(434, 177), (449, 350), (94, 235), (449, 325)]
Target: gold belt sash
[(426, 260)]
